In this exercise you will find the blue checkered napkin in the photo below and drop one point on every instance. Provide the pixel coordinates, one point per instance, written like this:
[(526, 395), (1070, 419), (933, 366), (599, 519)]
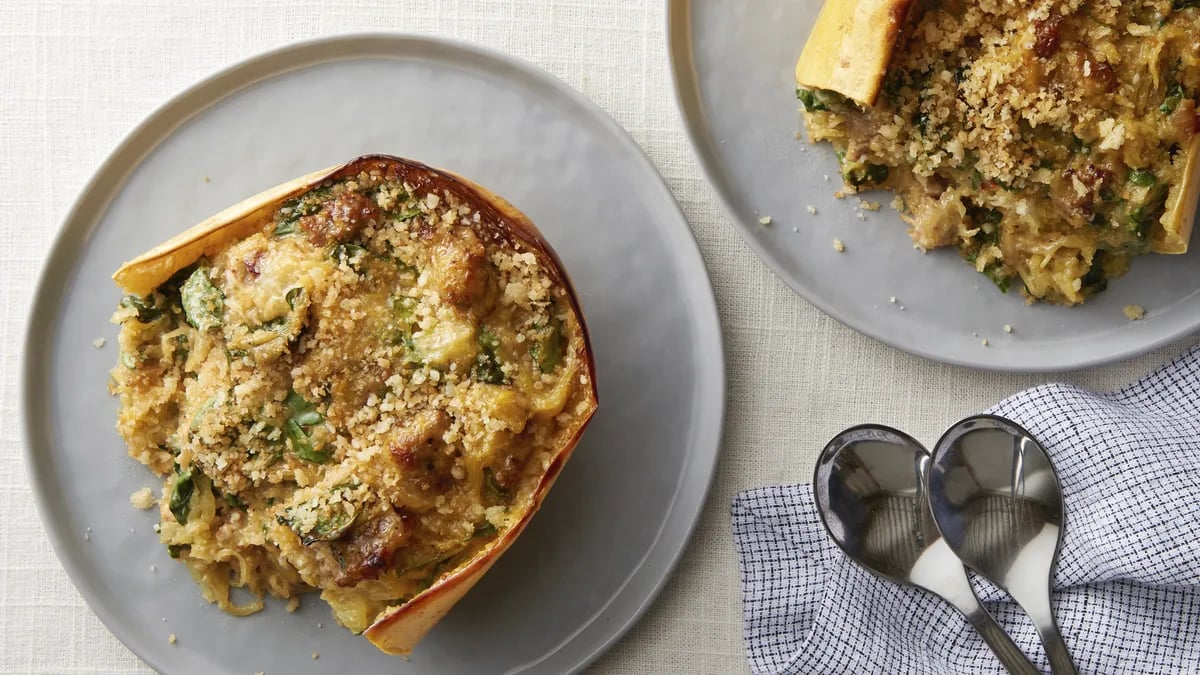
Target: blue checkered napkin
[(1128, 579)]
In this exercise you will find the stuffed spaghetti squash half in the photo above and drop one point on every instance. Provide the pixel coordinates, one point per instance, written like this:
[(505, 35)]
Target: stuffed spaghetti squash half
[(362, 382)]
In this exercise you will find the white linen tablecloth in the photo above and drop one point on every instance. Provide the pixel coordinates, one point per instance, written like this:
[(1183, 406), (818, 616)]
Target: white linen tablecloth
[(76, 76)]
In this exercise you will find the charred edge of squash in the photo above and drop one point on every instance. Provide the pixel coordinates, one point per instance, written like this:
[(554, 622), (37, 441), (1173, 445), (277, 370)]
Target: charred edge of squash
[(399, 631)]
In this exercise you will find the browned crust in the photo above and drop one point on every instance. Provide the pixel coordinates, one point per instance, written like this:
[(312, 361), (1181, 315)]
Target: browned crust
[(850, 47), (399, 631)]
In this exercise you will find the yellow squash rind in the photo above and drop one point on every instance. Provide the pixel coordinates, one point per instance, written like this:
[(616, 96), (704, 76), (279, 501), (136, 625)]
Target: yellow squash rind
[(1182, 203), (850, 47)]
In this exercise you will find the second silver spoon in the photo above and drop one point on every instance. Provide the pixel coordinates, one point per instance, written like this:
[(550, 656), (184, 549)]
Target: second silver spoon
[(997, 501)]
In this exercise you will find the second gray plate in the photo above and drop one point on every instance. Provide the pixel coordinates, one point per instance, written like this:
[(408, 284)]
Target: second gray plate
[(733, 65), (618, 519)]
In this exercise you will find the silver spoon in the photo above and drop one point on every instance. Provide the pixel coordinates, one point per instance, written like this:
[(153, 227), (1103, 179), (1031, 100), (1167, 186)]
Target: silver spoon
[(996, 500), (869, 486)]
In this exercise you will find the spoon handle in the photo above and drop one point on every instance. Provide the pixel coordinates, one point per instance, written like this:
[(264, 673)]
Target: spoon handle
[(1006, 650), (1056, 650)]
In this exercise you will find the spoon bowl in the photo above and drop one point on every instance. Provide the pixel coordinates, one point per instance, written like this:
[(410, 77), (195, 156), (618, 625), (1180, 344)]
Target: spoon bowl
[(870, 493), (996, 500)]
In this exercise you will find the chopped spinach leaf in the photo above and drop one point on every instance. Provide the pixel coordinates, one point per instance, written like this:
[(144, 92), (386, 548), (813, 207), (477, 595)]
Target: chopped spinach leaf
[(205, 407), (276, 325), (288, 218), (1007, 187), (325, 529), (864, 174), (130, 361), (1139, 222), (1142, 217), (547, 351), (487, 364), (921, 121), (981, 215), (351, 255), (146, 308), (409, 214), (1142, 178), (182, 487), (180, 352), (302, 414), (995, 272), (402, 307), (294, 295), (203, 303), (326, 519), (302, 444), (301, 411), (493, 486), (809, 100)]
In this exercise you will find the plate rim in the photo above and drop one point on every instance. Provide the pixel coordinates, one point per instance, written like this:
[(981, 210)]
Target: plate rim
[(685, 89), (48, 292)]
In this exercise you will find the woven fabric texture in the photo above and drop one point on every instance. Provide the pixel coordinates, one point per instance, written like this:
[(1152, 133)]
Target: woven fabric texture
[(76, 76), (1127, 583)]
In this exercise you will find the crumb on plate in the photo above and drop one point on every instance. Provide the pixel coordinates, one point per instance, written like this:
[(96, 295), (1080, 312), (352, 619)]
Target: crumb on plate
[(142, 499), (838, 245), (1134, 312)]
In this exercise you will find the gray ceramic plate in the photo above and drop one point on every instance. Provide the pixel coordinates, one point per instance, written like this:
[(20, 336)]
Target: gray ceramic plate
[(620, 515), (733, 65)]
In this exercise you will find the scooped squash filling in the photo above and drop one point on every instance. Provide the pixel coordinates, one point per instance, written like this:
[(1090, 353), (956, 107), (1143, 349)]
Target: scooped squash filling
[(359, 398), (1050, 141)]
